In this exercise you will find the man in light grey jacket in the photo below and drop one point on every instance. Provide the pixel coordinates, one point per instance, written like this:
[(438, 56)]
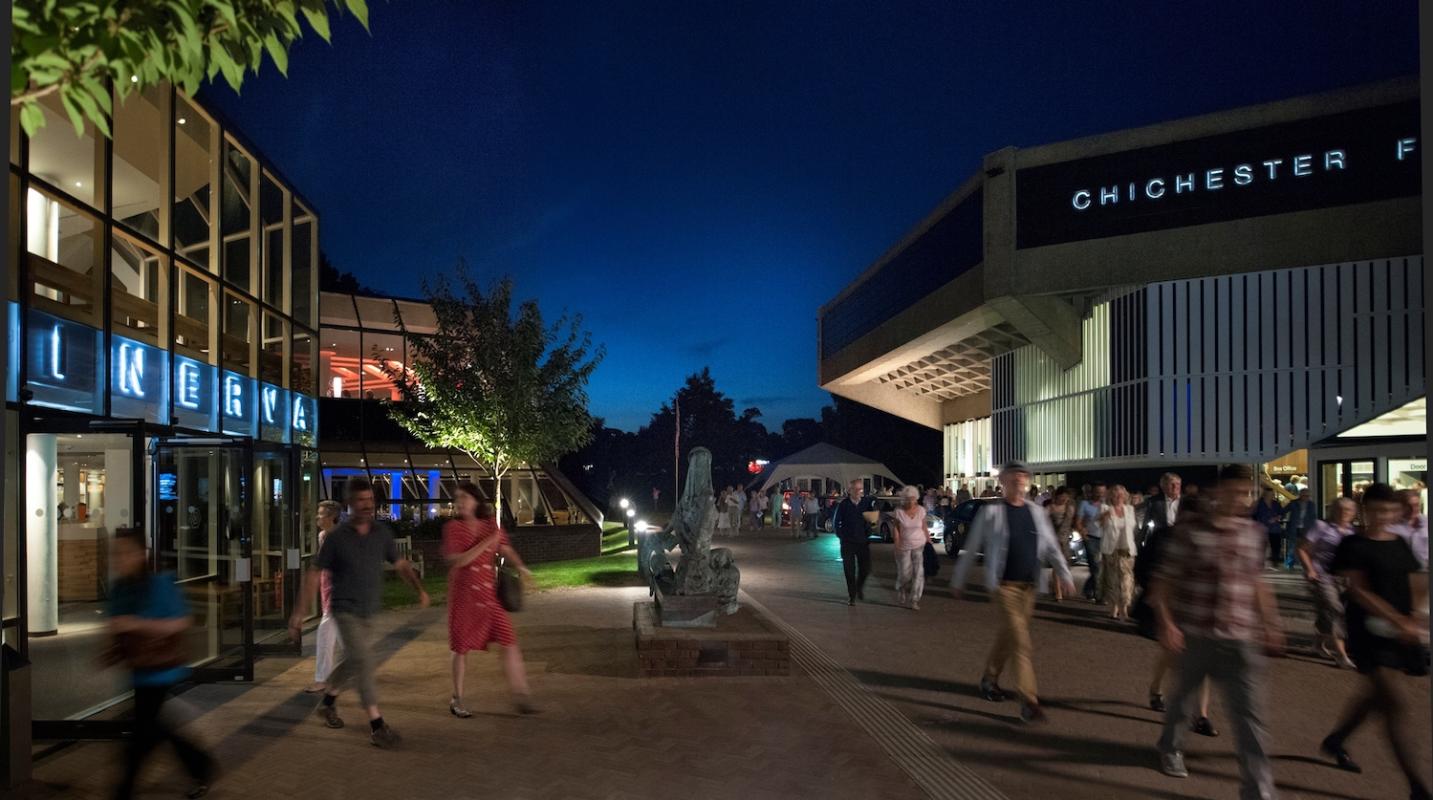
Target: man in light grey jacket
[(1018, 541)]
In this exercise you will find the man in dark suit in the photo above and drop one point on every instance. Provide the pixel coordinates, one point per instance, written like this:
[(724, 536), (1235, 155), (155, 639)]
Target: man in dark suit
[(854, 533), (1162, 511)]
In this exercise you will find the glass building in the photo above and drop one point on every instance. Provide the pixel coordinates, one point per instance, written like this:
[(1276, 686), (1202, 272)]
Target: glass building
[(161, 311), (359, 336)]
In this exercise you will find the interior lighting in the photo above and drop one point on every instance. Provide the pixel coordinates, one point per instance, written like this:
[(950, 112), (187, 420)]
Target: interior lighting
[(182, 120)]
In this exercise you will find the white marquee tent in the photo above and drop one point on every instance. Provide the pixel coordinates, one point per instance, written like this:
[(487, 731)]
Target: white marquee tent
[(825, 461)]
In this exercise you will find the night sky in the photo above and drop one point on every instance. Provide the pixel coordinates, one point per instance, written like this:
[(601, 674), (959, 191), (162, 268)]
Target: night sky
[(697, 178)]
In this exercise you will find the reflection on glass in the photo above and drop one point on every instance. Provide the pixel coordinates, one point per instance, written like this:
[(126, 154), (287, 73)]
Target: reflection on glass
[(140, 160), (339, 362), (193, 170), (9, 527), (235, 209), (192, 321), (271, 351), (273, 201), (303, 259), (73, 164), (65, 264), (301, 375), (380, 350), (139, 273), (238, 333)]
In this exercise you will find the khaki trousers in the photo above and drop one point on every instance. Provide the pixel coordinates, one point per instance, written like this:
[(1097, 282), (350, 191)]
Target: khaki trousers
[(1016, 602)]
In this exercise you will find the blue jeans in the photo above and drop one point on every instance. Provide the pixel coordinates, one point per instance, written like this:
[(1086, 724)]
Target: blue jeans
[(1092, 555)]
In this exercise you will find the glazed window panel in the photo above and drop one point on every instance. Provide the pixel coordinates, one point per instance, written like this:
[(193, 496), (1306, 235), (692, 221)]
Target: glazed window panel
[(236, 221), (381, 350), (193, 216), (339, 363), (302, 359), (71, 163), (271, 350), (303, 249), (193, 323), (141, 161), (138, 285), (273, 207), (66, 267), (238, 333)]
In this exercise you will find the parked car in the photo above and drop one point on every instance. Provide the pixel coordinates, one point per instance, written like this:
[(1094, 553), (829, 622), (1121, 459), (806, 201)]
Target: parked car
[(960, 519), (887, 525)]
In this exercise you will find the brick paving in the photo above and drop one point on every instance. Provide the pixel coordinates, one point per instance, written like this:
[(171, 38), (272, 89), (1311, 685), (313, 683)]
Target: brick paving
[(603, 733), (1093, 676)]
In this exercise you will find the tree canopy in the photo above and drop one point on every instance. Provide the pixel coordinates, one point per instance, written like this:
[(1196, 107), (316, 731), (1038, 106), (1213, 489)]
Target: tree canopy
[(80, 48), (496, 383)]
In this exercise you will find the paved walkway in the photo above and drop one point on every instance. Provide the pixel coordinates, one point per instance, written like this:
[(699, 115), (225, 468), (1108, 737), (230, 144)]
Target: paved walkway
[(603, 732), (1093, 676)]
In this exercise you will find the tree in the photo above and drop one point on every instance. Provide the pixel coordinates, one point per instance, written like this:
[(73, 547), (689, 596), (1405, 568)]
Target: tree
[(709, 420), (500, 386), (79, 48)]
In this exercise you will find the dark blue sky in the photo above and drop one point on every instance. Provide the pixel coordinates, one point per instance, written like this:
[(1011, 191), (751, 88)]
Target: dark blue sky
[(698, 177)]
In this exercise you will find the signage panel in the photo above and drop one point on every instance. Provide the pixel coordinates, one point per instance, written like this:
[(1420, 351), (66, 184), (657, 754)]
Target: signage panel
[(139, 380), (64, 364), (238, 404), (196, 395), (303, 423), (273, 413), (1339, 159)]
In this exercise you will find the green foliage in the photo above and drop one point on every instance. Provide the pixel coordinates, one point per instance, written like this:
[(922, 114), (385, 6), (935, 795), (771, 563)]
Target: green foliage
[(495, 382), (78, 48)]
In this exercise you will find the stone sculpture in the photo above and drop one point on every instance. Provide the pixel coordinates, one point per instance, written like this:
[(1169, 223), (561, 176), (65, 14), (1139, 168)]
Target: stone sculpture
[(699, 572)]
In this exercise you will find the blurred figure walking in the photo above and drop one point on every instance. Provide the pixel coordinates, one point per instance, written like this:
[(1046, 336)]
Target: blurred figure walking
[(1118, 520), (326, 637), (1218, 615), (1089, 523), (1017, 540), (1062, 518), (1384, 631), (855, 538), (148, 617), (1316, 552)]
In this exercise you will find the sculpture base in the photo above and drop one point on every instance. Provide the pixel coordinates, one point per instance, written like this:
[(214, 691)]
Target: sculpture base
[(687, 610), (743, 644)]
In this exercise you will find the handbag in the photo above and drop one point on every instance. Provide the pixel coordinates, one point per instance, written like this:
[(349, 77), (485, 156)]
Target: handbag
[(932, 561), (509, 585)]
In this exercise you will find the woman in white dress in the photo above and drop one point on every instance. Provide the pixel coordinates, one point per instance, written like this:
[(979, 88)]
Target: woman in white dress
[(1118, 548), (909, 549)]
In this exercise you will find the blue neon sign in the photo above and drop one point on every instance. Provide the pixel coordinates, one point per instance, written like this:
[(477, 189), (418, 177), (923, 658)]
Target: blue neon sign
[(139, 380)]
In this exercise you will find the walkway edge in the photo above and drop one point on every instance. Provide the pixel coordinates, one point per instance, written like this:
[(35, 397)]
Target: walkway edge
[(933, 769)]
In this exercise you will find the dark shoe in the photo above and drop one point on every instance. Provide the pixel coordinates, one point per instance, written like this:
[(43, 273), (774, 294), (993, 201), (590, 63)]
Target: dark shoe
[(1033, 714), (329, 714), (1156, 702), (455, 707), (991, 691), (523, 704), (1418, 793), (861, 595), (1335, 750), (1204, 727), (385, 737), (851, 601), (1172, 764)]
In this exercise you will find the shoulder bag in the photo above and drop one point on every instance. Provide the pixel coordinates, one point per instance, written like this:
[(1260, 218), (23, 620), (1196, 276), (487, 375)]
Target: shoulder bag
[(509, 585)]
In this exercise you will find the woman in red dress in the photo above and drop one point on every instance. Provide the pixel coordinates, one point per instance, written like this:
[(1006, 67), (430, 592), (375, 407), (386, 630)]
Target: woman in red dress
[(475, 617)]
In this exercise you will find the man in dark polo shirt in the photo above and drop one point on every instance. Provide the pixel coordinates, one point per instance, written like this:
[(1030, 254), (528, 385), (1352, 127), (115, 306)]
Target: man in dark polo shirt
[(854, 533), (1018, 542), (353, 554)]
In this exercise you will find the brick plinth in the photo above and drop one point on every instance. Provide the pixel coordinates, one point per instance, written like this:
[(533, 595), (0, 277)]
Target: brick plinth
[(742, 644)]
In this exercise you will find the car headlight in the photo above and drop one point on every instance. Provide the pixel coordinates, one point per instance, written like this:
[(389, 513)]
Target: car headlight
[(937, 526)]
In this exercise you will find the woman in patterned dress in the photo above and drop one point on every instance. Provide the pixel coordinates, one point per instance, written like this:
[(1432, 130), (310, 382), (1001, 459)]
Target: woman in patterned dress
[(475, 617)]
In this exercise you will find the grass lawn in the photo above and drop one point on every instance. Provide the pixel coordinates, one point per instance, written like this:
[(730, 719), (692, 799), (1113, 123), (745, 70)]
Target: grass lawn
[(617, 566)]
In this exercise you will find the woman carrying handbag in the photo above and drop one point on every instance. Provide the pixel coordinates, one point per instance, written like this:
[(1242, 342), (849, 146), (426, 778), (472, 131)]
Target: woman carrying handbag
[(148, 618), (472, 544)]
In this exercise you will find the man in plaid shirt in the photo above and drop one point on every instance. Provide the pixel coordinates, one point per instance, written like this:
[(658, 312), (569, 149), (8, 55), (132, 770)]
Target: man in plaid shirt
[(1214, 609)]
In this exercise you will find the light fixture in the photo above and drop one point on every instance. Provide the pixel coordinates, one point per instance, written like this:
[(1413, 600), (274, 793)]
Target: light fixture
[(182, 120), (631, 512), (78, 184), (134, 79), (624, 503)]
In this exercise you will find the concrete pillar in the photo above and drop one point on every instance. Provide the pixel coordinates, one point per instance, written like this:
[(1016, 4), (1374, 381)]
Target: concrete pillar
[(41, 535), (118, 489)]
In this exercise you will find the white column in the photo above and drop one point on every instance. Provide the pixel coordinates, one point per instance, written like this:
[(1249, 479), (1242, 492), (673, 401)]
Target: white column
[(41, 535), (118, 489)]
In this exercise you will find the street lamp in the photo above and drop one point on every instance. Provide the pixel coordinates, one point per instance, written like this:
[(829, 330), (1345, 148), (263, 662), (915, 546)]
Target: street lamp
[(631, 532), (624, 503)]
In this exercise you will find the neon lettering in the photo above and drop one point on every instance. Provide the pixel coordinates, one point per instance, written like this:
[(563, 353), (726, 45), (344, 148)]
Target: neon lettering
[(1303, 165), (1273, 165), (131, 370), (1080, 201), (233, 396), (1404, 147), (1109, 194), (1333, 158), (57, 353), (1184, 183), (1214, 179), (1243, 175), (1154, 189)]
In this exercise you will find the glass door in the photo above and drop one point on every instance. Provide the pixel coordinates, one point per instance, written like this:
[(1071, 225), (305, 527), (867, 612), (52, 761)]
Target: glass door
[(203, 533), (276, 551)]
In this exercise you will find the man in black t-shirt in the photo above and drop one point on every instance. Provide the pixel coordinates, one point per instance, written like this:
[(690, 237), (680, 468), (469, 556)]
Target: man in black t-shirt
[(854, 533), (354, 553), (1018, 541)]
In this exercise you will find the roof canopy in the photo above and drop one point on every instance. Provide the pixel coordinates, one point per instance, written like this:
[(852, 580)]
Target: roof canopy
[(825, 461)]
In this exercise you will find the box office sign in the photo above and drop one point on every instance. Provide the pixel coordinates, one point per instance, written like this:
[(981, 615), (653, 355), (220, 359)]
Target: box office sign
[(1339, 159)]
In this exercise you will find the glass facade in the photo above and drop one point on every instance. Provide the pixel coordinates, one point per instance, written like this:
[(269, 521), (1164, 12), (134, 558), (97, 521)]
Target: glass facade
[(148, 316), (358, 337)]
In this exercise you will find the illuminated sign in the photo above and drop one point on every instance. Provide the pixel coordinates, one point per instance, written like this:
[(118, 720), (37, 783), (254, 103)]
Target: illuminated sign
[(1339, 159), (64, 363), (186, 384), (139, 380), (236, 404)]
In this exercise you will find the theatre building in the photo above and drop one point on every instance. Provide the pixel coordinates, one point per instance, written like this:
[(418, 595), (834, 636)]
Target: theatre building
[(1245, 286), (161, 311)]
